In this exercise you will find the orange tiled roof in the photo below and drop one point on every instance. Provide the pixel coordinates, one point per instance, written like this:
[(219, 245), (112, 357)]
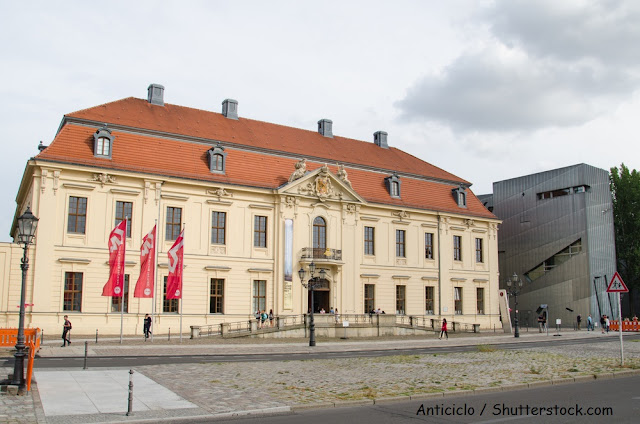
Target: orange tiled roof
[(171, 157), (138, 113)]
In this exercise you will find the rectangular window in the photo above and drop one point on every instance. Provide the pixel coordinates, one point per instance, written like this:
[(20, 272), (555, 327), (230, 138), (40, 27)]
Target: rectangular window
[(400, 244), (174, 222), (400, 299), (259, 295), (260, 231), (169, 305), (216, 297), (457, 248), (428, 245), (77, 219), (480, 301), (479, 257), (218, 227), (123, 210), (457, 305), (369, 298), (72, 292), (117, 301), (428, 300), (369, 246)]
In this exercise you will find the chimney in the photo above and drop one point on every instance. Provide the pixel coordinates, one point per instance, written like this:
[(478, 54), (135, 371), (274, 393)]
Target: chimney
[(155, 94), (230, 109), (325, 127), (380, 139)]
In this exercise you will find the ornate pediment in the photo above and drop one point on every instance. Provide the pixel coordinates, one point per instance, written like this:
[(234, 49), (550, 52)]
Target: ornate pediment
[(323, 185)]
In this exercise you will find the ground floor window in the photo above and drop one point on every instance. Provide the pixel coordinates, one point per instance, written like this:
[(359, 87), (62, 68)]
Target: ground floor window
[(169, 305), (259, 295), (400, 299), (72, 291), (457, 300), (216, 296), (428, 300), (369, 298), (117, 301), (480, 300)]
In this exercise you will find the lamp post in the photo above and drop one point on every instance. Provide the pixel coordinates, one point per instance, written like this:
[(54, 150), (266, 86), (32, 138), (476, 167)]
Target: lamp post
[(27, 224), (311, 284), (514, 286)]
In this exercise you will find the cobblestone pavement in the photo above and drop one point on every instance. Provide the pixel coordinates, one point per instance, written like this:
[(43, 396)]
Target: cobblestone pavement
[(231, 387)]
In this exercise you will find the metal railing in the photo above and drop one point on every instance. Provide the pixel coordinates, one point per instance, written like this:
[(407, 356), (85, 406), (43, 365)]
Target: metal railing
[(319, 253)]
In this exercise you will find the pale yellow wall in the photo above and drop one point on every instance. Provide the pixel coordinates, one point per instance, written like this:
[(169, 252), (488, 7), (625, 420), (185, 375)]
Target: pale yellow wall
[(238, 261)]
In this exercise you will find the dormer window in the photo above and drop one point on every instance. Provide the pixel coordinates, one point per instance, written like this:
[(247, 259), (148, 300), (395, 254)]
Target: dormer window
[(217, 159), (393, 185), (460, 196), (102, 143)]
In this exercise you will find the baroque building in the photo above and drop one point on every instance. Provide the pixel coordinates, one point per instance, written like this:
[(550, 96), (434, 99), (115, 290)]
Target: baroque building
[(257, 201)]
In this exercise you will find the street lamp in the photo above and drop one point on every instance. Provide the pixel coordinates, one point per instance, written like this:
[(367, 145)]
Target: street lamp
[(311, 284), (514, 286), (27, 224)]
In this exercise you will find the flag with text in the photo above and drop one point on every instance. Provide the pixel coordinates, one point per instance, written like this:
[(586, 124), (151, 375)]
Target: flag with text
[(144, 286), (174, 279), (117, 243)]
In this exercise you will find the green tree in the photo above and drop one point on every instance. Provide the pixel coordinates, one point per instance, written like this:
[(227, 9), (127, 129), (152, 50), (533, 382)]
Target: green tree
[(625, 191)]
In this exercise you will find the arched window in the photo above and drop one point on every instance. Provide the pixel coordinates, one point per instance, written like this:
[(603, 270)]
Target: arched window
[(217, 163), (319, 233), (102, 143)]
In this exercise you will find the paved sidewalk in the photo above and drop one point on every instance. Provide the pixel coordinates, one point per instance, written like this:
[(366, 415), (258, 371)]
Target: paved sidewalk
[(169, 392)]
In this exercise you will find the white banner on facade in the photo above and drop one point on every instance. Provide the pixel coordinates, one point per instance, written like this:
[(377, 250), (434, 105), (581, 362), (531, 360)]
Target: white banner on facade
[(288, 264)]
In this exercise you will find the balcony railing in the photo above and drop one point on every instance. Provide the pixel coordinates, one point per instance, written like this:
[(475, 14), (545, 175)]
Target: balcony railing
[(319, 253)]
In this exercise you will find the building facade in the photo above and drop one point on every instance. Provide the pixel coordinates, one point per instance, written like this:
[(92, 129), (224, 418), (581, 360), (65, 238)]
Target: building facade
[(557, 234), (257, 201)]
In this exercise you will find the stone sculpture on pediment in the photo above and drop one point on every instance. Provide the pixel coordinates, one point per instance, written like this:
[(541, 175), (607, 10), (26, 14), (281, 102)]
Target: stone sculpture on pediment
[(301, 169), (321, 187), (342, 175)]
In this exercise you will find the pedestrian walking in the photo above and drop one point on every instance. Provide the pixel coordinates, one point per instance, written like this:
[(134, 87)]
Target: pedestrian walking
[(606, 322), (579, 320), (66, 328), (443, 330), (602, 322), (589, 323), (147, 326)]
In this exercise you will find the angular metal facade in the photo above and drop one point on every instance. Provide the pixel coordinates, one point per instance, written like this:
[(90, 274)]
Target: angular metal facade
[(557, 234)]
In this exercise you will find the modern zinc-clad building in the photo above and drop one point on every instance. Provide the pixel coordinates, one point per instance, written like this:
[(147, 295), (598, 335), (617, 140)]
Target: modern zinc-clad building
[(257, 201)]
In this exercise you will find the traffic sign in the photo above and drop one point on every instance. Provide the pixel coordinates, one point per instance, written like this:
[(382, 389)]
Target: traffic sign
[(617, 285)]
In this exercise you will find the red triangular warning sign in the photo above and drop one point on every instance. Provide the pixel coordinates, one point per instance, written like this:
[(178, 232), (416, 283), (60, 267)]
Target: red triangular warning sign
[(617, 285)]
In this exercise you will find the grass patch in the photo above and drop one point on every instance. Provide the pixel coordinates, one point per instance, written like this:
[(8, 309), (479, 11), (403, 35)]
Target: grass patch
[(573, 370), (486, 348), (534, 370)]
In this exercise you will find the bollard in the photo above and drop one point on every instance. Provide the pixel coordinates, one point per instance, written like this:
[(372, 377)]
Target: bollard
[(96, 335), (86, 349), (169, 334), (130, 404)]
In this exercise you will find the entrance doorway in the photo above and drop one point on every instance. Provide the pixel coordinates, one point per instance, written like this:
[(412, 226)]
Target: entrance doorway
[(320, 297)]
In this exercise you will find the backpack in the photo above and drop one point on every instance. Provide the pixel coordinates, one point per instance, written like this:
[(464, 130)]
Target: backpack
[(69, 324)]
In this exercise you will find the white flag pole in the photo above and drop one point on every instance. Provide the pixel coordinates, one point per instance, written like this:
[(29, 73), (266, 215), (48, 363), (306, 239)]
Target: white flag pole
[(126, 225), (182, 283), (154, 279)]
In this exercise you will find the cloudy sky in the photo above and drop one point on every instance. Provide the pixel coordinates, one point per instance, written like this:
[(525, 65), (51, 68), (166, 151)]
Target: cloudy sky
[(487, 90)]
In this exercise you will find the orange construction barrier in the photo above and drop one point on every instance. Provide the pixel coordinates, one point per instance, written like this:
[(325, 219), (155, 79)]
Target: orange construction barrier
[(626, 325), (32, 339)]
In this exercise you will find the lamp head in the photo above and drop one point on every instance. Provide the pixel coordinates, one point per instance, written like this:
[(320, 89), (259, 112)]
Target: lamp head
[(301, 273), (27, 225), (312, 267)]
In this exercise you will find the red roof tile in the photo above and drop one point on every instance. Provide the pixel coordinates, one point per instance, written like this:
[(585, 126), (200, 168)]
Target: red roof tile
[(170, 157)]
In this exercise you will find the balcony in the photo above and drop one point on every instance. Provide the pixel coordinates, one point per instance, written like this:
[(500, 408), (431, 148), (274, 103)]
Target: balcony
[(320, 254)]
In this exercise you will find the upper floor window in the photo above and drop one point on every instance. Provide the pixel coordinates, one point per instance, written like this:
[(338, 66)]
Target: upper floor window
[(218, 227), (457, 248), (217, 159), (460, 196), (260, 231), (393, 185), (123, 211), (319, 233), (400, 243), (77, 219), (174, 222), (479, 256), (103, 142), (369, 241), (428, 245)]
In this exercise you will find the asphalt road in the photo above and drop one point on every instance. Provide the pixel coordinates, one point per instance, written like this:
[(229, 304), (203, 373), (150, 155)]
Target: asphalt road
[(613, 400), (129, 361)]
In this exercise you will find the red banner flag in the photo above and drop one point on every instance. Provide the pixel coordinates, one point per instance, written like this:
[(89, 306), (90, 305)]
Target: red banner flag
[(174, 279), (144, 286), (117, 242)]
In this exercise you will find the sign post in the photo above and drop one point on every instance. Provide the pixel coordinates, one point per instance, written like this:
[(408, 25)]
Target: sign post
[(617, 286)]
